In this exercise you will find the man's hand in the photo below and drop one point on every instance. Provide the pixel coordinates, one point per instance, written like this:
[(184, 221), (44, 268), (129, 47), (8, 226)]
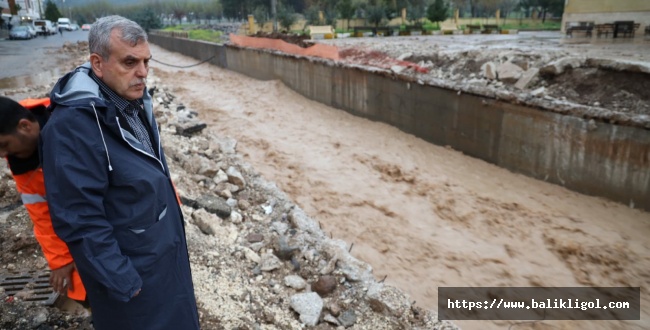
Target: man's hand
[(61, 278), (136, 293)]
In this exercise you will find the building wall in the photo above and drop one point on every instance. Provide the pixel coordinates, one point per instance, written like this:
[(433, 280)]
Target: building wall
[(605, 6), (27, 8), (608, 11)]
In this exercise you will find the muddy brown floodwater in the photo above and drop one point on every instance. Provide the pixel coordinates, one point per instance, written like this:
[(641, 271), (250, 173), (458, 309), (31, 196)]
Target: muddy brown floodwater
[(425, 216)]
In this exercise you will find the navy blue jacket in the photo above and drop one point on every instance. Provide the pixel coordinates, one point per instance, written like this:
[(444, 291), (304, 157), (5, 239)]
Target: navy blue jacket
[(115, 206)]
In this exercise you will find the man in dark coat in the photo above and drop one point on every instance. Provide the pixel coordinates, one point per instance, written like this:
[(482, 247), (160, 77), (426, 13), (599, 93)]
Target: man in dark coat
[(109, 189)]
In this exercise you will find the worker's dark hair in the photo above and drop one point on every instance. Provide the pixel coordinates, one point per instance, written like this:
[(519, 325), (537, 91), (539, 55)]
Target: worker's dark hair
[(11, 112)]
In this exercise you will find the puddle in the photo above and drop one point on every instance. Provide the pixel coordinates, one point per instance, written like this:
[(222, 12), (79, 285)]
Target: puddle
[(41, 78)]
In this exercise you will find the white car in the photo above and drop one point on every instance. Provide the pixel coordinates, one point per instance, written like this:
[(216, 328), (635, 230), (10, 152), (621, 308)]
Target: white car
[(19, 32), (74, 27), (32, 30)]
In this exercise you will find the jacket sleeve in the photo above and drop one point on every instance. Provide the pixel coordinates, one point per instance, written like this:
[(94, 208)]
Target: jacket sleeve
[(76, 179), (54, 249)]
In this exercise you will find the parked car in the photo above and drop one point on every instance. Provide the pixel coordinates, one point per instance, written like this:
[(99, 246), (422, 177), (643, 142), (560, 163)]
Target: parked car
[(49, 27), (74, 27), (32, 30), (20, 32), (64, 23), (85, 27)]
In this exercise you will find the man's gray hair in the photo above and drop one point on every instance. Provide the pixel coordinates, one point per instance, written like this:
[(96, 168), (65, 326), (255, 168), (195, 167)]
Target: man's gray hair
[(99, 37)]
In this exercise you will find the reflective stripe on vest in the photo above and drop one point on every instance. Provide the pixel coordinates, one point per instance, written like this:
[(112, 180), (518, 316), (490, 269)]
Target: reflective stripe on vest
[(32, 199)]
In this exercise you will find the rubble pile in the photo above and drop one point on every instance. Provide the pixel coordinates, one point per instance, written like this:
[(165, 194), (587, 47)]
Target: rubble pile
[(607, 84)]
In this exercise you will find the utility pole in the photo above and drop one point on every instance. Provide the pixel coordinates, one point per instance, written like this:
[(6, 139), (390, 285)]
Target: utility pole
[(274, 12)]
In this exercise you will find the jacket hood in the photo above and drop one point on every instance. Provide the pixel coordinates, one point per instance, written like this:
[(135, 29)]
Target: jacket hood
[(77, 90), (75, 86)]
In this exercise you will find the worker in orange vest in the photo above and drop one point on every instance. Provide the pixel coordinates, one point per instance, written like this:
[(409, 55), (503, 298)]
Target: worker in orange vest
[(20, 126)]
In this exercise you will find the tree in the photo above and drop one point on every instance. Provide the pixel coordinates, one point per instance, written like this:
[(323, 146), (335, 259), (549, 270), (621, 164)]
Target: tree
[(525, 6), (438, 12), (393, 8), (287, 17), (241, 8), (375, 14), (297, 5), (330, 17), (415, 12), (214, 9), (147, 19), (487, 8), (232, 8), (346, 9), (553, 6), (312, 15), (261, 15), (52, 12), (506, 8)]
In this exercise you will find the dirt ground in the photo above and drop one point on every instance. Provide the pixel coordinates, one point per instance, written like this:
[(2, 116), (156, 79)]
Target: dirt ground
[(425, 216), (290, 38)]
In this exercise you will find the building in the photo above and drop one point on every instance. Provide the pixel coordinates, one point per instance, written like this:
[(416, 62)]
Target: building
[(607, 11), (29, 11)]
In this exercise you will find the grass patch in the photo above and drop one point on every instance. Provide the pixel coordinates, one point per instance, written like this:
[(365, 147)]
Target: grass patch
[(197, 34), (206, 35)]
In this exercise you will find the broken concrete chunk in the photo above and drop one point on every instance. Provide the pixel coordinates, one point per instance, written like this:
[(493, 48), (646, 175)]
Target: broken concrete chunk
[(538, 92), (214, 204), (270, 262), (509, 73), (190, 128), (295, 281), (526, 78), (559, 66), (489, 70), (235, 177), (309, 306), (206, 222), (388, 300)]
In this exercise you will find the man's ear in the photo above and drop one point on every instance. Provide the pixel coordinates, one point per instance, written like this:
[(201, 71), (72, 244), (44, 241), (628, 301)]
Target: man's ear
[(27, 127), (96, 64)]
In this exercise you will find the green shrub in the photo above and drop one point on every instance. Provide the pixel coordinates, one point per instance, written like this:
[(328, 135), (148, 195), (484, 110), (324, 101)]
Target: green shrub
[(206, 35)]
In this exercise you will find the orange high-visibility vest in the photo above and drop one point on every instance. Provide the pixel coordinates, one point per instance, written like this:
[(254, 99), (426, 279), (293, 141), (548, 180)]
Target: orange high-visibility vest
[(31, 187)]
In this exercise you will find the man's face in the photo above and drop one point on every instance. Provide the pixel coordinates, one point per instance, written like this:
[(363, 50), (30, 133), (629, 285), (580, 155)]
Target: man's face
[(125, 69), (23, 142)]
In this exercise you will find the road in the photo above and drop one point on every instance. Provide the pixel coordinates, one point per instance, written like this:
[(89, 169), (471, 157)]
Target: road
[(17, 57)]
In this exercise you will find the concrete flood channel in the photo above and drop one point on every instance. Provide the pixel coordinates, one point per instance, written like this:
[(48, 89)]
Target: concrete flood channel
[(607, 160)]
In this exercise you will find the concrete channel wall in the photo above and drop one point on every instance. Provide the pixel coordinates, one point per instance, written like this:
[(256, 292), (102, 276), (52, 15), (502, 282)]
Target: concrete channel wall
[(594, 158)]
